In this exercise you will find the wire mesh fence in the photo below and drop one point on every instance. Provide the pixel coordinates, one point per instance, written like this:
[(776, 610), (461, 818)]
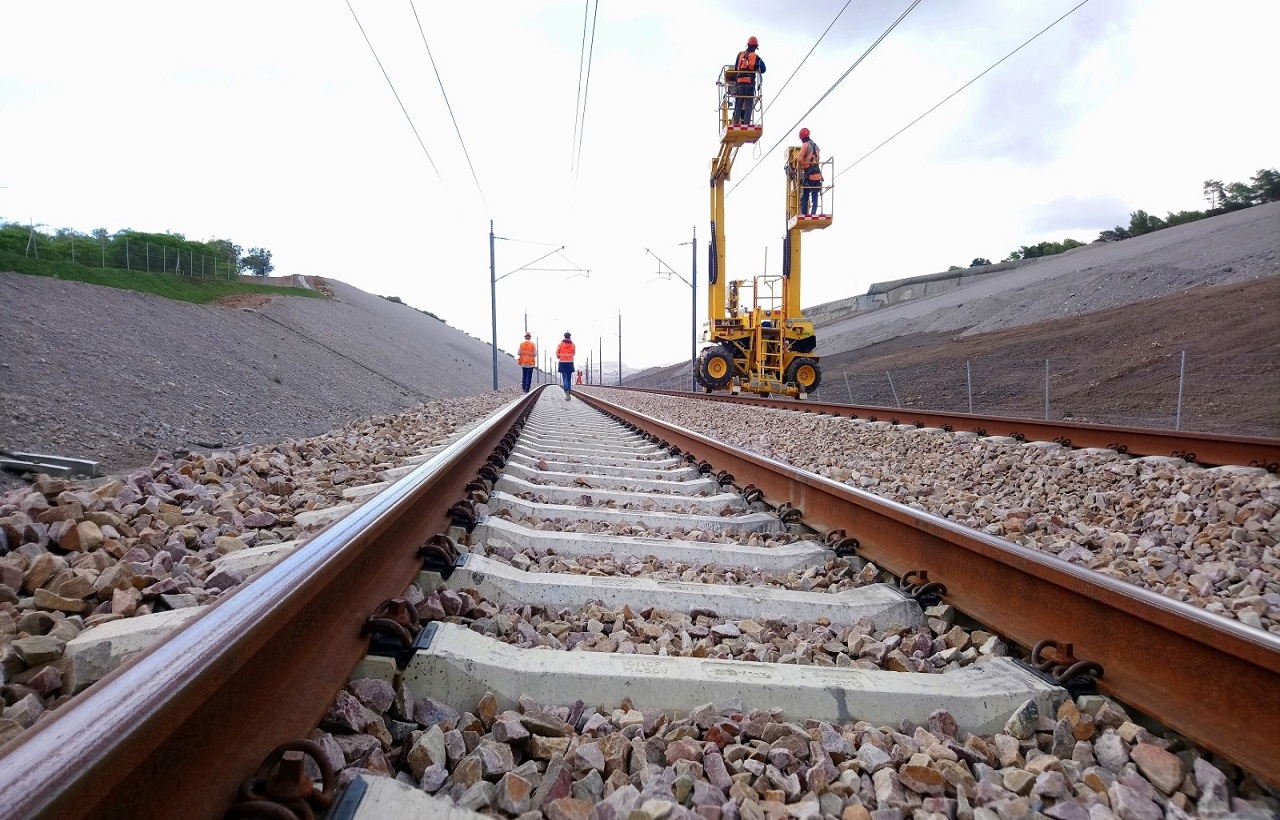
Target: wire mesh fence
[(148, 253), (1236, 393)]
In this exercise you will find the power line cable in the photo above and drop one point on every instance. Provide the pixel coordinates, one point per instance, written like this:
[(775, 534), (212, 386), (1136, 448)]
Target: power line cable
[(595, 17), (397, 96), (445, 94), (826, 94), (806, 57), (577, 100), (963, 87)]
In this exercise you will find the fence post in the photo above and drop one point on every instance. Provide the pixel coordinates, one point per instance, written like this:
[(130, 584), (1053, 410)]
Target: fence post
[(894, 389), (148, 257), (847, 388), (102, 242), (127, 264), (968, 374), (1182, 378), (1046, 389)]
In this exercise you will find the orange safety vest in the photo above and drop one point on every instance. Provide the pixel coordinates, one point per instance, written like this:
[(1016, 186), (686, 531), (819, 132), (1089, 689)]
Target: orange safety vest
[(565, 351), (747, 63), (809, 160), (528, 354)]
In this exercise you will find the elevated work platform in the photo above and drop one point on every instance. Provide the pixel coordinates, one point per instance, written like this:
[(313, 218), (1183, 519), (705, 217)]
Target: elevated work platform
[(735, 135), (809, 222)]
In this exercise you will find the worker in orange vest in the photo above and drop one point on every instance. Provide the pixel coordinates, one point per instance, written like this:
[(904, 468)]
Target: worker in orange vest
[(744, 82), (564, 354), (808, 172), (527, 358)]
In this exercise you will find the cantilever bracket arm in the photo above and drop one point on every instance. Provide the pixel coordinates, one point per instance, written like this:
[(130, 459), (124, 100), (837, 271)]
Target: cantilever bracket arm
[(526, 265), (670, 271)]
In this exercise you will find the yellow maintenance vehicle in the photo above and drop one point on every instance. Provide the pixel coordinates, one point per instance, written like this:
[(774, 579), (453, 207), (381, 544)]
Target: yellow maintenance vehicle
[(758, 342)]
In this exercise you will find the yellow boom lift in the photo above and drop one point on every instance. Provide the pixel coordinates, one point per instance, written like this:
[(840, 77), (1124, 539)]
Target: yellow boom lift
[(766, 345)]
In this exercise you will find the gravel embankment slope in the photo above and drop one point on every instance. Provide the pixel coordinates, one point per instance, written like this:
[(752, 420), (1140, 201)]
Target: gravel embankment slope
[(115, 375), (1230, 248)]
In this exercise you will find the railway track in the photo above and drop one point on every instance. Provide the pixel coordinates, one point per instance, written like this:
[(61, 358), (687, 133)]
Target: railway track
[(550, 528), (1202, 448)]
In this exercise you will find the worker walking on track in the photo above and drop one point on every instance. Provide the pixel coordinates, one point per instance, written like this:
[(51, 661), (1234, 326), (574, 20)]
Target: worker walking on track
[(564, 354), (808, 173), (527, 358), (744, 82)]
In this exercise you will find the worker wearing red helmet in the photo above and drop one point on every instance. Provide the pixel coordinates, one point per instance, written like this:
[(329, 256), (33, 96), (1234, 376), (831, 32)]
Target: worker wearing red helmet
[(748, 66), (808, 170)]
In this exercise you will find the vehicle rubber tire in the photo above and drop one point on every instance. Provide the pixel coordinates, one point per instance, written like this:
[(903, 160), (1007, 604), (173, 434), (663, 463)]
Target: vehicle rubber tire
[(804, 373), (715, 368)]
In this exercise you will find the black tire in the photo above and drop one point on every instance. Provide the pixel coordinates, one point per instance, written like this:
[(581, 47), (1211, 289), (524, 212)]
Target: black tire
[(804, 373), (715, 368)]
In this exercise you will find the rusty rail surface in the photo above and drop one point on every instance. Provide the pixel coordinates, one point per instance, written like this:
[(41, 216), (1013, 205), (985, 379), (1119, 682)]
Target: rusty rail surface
[(1211, 449), (173, 732), (1207, 677)]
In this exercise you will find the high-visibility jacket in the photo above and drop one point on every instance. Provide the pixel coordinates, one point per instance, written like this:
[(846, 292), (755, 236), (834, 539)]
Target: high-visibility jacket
[(747, 67), (528, 355), (808, 163), (565, 351)]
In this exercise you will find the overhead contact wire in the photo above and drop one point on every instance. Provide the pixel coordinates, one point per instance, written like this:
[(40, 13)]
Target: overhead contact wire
[(806, 57), (447, 105), (586, 90), (577, 100), (963, 87), (397, 96), (827, 93)]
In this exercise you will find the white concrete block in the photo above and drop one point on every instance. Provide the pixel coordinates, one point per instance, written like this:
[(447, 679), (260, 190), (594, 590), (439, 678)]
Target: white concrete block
[(100, 649), (364, 491), (322, 518), (502, 583), (663, 502), (460, 666), (594, 457), (383, 798), (739, 522), (683, 482), (798, 555), (253, 559), (627, 470)]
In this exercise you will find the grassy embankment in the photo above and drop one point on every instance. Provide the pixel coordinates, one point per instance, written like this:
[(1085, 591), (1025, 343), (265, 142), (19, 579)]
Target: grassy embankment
[(168, 285)]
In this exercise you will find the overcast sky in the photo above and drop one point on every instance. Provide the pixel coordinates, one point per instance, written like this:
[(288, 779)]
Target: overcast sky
[(270, 123)]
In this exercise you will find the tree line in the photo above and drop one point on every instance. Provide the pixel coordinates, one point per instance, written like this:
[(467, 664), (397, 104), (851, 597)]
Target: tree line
[(135, 250), (1262, 187)]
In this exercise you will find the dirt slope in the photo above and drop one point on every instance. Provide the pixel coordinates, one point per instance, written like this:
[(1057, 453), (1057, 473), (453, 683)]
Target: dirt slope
[(115, 375), (1113, 320)]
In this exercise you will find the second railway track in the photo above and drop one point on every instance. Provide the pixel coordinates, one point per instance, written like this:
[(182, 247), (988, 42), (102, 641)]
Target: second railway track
[(619, 619)]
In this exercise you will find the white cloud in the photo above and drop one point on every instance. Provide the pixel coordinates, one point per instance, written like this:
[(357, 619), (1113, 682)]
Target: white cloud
[(270, 124)]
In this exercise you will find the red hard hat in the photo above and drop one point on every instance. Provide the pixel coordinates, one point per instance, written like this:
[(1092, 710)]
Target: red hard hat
[(804, 133), (751, 41)]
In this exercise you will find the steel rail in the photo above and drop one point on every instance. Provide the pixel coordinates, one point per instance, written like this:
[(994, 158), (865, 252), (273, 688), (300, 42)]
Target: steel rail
[(1207, 677), (1211, 449), (173, 732)]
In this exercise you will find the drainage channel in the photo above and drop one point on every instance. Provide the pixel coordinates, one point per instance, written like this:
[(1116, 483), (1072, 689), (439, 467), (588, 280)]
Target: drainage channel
[(617, 631)]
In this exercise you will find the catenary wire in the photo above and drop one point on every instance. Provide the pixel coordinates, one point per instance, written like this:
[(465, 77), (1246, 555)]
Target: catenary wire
[(397, 96), (806, 57), (586, 90), (447, 105), (961, 88), (577, 100), (827, 93)]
